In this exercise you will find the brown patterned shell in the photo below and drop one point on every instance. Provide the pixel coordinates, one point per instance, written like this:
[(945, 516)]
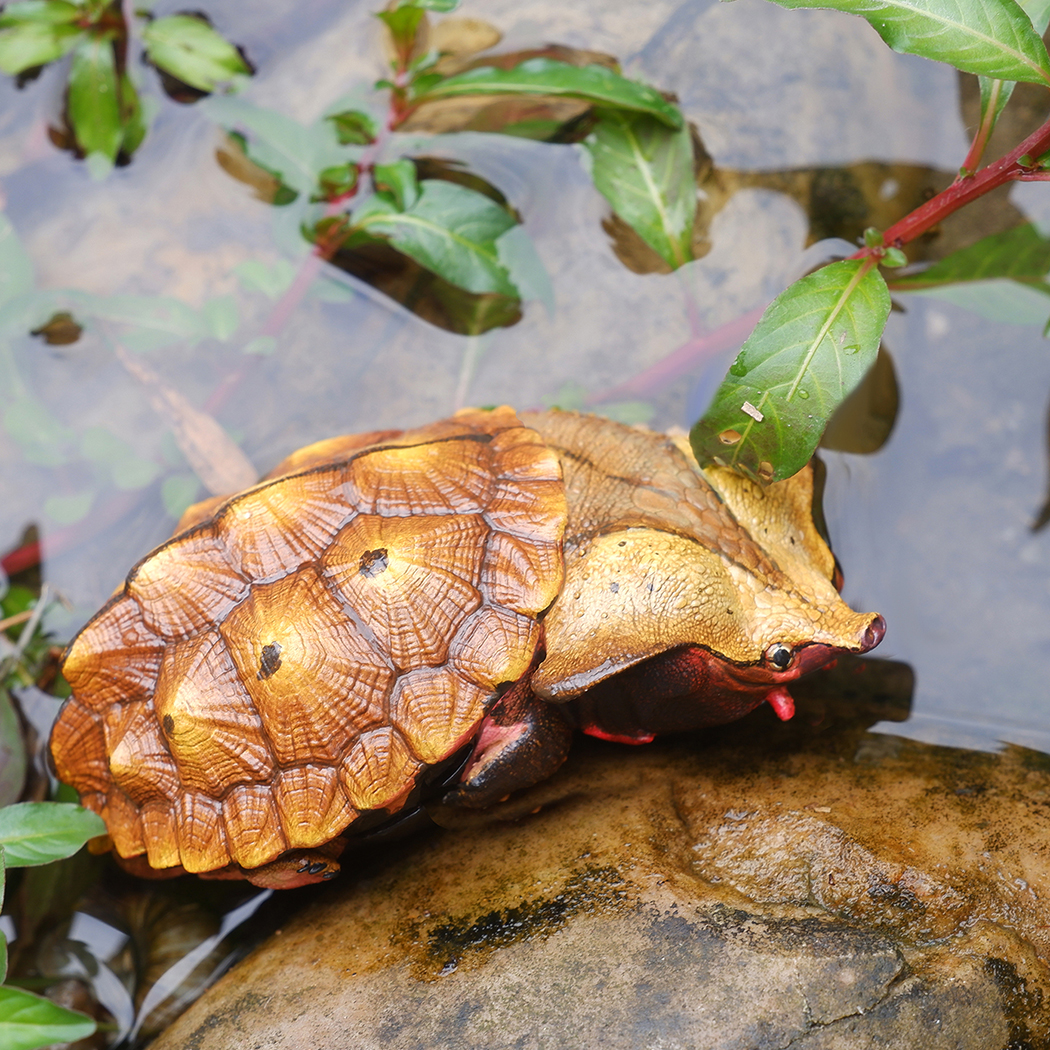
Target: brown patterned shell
[(298, 655)]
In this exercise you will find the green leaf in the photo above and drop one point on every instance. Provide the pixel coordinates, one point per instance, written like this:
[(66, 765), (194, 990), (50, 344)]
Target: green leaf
[(24, 45), (48, 12), (272, 281), (279, 144), (644, 169), (29, 1021), (190, 50), (399, 180), (992, 38), (222, 317), (132, 116), (442, 6), (403, 22), (12, 754), (337, 182), (812, 346), (353, 128), (66, 510), (449, 229), (34, 833), (179, 491), (1021, 253), (154, 321), (94, 107), (16, 268), (998, 299), (42, 437), (545, 76)]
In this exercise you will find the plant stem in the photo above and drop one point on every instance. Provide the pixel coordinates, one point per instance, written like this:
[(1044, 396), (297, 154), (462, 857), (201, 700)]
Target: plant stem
[(967, 188), (984, 130)]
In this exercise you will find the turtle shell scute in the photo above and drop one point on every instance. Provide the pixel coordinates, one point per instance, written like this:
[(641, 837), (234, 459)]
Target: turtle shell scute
[(306, 648)]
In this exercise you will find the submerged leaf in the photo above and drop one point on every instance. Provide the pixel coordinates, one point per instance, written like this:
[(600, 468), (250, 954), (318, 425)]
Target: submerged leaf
[(1021, 253), (595, 84), (449, 229), (94, 105), (28, 1021), (353, 128), (993, 38), (25, 45), (812, 346), (644, 169), (191, 50)]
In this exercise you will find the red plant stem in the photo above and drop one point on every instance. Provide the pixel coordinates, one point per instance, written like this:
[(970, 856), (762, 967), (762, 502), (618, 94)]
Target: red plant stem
[(684, 358), (967, 188), (70, 536), (311, 266)]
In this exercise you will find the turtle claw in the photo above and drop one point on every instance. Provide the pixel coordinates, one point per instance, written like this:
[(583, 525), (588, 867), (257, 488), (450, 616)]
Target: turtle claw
[(301, 868), (522, 741)]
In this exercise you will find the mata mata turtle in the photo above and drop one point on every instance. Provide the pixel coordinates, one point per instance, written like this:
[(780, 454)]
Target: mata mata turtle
[(301, 658)]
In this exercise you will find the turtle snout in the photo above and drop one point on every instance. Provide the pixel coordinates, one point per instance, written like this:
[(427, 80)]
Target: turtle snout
[(873, 635)]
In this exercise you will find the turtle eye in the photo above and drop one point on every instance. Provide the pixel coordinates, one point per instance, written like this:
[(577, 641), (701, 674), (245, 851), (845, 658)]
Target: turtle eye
[(779, 656)]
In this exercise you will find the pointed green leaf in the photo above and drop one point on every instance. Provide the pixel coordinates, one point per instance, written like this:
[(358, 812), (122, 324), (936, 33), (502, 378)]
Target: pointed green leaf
[(353, 128), (450, 230), (29, 1021), (812, 346), (996, 93), (132, 117), (992, 38), (279, 144), (403, 22), (12, 752), (399, 180), (24, 45), (644, 169), (1021, 253), (189, 49), (16, 269), (51, 12), (34, 833), (545, 76), (94, 107)]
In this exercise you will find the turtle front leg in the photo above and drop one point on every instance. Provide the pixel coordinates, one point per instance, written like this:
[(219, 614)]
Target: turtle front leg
[(522, 741)]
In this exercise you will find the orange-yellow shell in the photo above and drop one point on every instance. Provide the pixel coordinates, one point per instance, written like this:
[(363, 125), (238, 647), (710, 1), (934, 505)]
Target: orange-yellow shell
[(306, 647)]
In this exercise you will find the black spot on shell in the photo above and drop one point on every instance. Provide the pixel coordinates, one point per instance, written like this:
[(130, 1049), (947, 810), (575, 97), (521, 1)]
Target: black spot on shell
[(169, 724), (270, 662), (373, 562)]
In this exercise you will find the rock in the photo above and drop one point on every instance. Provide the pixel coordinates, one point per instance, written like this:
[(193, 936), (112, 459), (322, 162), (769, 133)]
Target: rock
[(808, 885)]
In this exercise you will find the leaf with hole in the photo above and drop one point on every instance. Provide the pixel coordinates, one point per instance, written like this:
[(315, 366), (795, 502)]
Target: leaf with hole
[(644, 169), (812, 346), (992, 38)]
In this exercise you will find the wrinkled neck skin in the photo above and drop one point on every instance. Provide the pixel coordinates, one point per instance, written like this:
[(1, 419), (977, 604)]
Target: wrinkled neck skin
[(688, 688)]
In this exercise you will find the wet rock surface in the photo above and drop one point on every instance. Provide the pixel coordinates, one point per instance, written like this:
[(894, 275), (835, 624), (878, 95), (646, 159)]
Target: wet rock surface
[(763, 885)]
